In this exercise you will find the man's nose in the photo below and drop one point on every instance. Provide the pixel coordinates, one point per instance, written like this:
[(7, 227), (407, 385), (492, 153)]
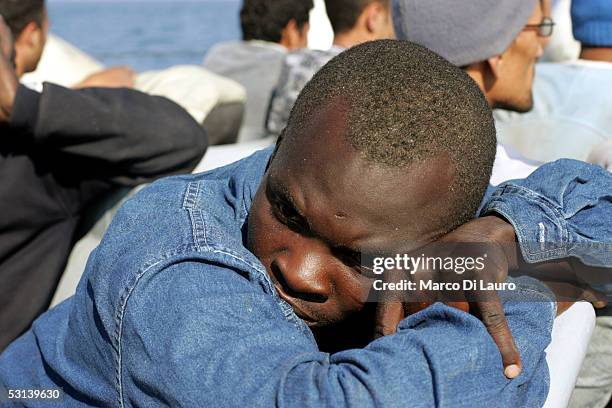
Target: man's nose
[(303, 274)]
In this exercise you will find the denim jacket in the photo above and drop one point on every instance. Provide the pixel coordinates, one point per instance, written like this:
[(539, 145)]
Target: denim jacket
[(173, 310)]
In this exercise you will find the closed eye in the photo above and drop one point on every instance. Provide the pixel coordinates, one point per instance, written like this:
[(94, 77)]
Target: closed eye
[(287, 215), (285, 212), (353, 259)]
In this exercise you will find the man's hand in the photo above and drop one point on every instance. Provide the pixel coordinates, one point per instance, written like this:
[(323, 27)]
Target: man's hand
[(116, 77), (495, 237), (8, 79), (489, 235)]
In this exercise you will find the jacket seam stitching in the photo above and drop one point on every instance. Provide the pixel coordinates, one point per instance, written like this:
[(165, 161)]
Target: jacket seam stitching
[(198, 225), (123, 306)]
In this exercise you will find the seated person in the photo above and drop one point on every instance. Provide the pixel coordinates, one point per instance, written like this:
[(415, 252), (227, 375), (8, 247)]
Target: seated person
[(572, 103), (564, 113), (61, 152), (503, 69), (213, 289), (354, 22), (29, 24), (215, 102), (270, 28)]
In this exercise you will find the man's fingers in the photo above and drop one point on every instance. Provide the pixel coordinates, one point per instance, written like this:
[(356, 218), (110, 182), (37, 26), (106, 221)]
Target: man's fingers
[(388, 316), (569, 293), (596, 298), (492, 315), (390, 309), (600, 304)]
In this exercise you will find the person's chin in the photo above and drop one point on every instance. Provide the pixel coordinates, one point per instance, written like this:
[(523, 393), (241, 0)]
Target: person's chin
[(522, 106)]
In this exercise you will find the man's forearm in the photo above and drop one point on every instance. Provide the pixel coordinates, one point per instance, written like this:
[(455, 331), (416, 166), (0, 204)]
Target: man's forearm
[(562, 210), (132, 137), (440, 356), (453, 362)]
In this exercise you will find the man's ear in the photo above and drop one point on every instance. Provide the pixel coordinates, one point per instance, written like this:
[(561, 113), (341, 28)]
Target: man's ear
[(292, 37), (496, 66), (31, 36), (28, 46), (375, 15)]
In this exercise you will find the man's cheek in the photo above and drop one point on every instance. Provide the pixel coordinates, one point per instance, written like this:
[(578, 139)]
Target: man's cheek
[(255, 227), (263, 231)]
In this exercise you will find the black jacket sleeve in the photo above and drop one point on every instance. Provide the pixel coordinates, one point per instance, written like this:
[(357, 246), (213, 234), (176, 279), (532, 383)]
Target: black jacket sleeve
[(120, 136)]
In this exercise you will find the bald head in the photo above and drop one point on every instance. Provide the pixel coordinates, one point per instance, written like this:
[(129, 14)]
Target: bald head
[(404, 105), (388, 148)]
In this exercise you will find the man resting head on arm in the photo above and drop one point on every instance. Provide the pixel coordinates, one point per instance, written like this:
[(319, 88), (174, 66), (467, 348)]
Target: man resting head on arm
[(212, 289)]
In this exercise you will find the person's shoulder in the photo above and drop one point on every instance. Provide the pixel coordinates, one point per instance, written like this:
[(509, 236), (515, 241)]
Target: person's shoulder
[(219, 52), (151, 224), (300, 66), (190, 218), (310, 58), (253, 47), (224, 46), (187, 212), (567, 80)]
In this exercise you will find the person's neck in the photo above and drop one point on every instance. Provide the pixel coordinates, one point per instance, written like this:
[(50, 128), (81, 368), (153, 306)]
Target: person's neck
[(596, 54), (350, 38), (477, 72)]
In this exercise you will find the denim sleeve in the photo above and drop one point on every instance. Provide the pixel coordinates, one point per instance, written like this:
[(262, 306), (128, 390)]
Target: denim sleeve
[(561, 210), (214, 339)]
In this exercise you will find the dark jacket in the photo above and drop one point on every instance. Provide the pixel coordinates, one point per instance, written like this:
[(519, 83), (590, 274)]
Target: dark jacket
[(64, 151)]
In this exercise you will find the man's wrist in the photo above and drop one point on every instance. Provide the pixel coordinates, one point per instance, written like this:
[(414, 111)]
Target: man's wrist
[(505, 236)]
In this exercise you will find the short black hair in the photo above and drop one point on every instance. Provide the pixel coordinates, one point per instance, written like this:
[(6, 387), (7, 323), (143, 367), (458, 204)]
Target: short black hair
[(406, 104), (265, 19), (19, 13), (343, 14)]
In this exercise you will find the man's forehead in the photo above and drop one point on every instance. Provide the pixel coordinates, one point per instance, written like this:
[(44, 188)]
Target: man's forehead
[(324, 127), (367, 205), (335, 186)]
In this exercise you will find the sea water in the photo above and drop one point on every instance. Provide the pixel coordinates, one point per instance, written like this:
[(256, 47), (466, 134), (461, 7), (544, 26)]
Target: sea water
[(145, 34)]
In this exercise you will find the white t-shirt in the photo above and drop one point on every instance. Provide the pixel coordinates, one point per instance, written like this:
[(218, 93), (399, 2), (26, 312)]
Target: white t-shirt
[(510, 165), (572, 112)]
